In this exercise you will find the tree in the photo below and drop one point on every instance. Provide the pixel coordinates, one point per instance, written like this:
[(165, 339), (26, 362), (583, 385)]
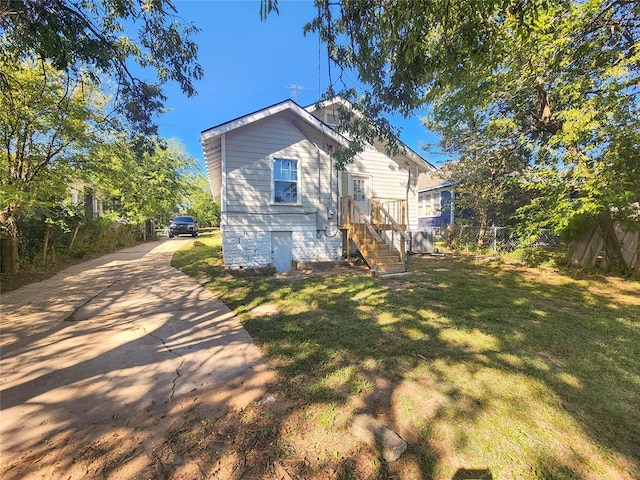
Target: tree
[(143, 186), (94, 38), (486, 175), (47, 122), (565, 75), (200, 202)]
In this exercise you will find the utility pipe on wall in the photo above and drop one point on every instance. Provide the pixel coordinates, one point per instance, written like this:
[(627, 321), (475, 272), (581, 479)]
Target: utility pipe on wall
[(319, 189), (406, 199)]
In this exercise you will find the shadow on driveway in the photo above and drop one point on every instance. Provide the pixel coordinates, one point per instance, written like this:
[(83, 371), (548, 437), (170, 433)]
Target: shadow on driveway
[(123, 345)]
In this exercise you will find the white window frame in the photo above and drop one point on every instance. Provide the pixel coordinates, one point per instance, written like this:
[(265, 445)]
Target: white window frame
[(334, 114), (363, 182), (273, 181), (429, 204)]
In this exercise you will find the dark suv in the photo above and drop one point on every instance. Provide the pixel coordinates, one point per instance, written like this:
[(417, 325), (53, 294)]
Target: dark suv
[(183, 226)]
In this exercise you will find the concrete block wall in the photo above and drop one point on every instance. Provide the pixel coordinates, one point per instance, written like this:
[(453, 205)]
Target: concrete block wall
[(252, 249), (307, 246), (246, 249)]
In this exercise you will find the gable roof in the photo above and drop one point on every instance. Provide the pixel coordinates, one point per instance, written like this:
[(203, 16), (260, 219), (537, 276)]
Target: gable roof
[(211, 138), (341, 102), (289, 105), (431, 181)]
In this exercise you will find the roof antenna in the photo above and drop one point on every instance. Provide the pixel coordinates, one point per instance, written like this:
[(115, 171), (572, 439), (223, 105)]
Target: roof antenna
[(295, 88)]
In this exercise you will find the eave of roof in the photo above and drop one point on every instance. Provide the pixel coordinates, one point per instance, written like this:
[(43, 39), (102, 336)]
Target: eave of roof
[(435, 187), (289, 105)]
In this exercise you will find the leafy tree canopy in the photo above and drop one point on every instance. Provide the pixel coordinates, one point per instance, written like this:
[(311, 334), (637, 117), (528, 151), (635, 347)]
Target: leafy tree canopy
[(143, 185), (557, 81), (57, 130), (47, 123), (91, 38), (200, 201)]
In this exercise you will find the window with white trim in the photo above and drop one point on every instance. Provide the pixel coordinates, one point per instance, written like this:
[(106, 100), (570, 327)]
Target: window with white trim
[(359, 189), (331, 118), (429, 204), (285, 181)]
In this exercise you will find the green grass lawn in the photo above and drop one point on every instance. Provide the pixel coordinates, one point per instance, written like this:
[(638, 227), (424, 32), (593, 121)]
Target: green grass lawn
[(516, 372)]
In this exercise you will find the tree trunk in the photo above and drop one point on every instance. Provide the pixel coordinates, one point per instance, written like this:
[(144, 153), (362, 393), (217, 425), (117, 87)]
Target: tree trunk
[(612, 251), (9, 250), (482, 228), (637, 264), (75, 234), (45, 247)]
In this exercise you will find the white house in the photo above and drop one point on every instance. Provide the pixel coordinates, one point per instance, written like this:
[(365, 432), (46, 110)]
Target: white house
[(282, 199)]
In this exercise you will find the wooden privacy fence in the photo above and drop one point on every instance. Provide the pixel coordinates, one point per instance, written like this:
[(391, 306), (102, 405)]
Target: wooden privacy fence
[(587, 251)]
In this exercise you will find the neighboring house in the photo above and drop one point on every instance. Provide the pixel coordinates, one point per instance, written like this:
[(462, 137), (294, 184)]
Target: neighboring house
[(435, 202), (93, 200), (282, 199)]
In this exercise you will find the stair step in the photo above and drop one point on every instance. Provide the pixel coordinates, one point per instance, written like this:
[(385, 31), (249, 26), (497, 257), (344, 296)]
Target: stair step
[(389, 260), (371, 243), (386, 268), (368, 241), (382, 249)]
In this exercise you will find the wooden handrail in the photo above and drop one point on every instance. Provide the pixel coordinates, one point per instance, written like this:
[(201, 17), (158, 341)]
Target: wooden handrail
[(381, 220), (396, 225), (361, 216)]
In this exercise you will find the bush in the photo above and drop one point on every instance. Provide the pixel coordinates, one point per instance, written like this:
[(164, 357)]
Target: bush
[(102, 236), (65, 245), (533, 256)]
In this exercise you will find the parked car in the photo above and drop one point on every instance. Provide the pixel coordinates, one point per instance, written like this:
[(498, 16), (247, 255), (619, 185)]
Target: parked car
[(183, 225)]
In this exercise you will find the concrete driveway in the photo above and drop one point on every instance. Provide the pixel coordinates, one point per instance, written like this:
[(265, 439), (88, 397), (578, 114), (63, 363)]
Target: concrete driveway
[(121, 347)]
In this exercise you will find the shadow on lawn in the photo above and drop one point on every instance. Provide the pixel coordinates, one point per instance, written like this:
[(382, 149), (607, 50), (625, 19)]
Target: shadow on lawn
[(450, 319)]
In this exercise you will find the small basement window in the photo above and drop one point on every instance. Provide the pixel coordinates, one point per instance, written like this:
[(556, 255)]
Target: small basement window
[(285, 181)]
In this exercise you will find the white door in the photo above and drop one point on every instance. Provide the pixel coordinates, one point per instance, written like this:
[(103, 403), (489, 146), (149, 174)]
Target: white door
[(281, 250), (361, 192)]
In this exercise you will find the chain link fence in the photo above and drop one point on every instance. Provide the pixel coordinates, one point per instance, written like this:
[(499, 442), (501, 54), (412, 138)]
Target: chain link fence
[(495, 239)]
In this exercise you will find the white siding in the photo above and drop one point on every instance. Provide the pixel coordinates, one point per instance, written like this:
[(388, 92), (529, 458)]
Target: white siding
[(250, 215), (308, 246), (213, 159), (388, 180), (388, 176), (250, 247)]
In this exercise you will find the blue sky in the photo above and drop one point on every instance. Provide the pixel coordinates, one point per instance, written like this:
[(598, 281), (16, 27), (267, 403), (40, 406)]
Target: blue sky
[(250, 64)]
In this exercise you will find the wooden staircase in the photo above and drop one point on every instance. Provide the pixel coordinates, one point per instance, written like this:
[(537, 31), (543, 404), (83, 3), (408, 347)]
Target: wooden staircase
[(380, 240)]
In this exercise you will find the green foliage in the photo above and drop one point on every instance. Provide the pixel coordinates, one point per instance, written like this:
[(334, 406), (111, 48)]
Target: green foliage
[(533, 256), (57, 132), (142, 185), (49, 243), (103, 37), (485, 178), (555, 83), (200, 202), (102, 236), (47, 123)]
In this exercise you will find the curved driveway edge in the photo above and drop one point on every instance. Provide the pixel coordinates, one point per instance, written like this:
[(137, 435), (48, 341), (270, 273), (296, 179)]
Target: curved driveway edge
[(121, 344)]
